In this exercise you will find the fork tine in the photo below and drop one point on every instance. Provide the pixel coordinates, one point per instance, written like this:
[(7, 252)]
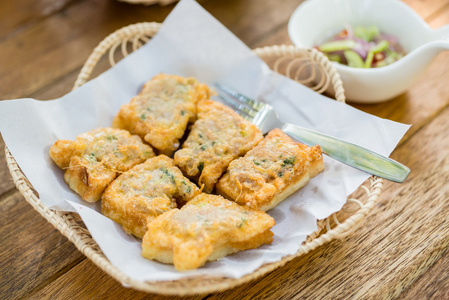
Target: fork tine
[(238, 108), (253, 104)]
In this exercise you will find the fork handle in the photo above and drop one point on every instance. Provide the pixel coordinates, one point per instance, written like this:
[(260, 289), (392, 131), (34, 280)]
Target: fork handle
[(350, 154)]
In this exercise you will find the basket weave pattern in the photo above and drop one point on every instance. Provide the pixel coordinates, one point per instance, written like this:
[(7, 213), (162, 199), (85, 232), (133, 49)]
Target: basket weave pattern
[(149, 2), (308, 67)]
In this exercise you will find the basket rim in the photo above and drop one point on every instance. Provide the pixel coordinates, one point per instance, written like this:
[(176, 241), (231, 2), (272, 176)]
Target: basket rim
[(80, 237)]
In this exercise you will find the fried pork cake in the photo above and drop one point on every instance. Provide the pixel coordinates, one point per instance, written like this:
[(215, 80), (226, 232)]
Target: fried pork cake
[(95, 159), (270, 172), (161, 112), (147, 190), (218, 136), (208, 227)]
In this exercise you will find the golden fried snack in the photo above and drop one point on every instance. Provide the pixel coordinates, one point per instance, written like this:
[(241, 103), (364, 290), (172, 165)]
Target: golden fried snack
[(208, 227), (218, 136), (161, 112), (270, 172), (95, 158), (147, 190)]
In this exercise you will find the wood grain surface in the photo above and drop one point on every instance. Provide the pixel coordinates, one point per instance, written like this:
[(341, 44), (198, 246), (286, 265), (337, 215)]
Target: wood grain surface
[(399, 252)]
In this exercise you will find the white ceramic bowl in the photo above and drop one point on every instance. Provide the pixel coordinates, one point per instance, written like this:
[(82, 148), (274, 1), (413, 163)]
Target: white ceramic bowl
[(314, 21)]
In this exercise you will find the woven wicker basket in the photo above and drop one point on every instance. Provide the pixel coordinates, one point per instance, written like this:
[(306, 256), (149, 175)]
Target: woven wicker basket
[(150, 2), (304, 65)]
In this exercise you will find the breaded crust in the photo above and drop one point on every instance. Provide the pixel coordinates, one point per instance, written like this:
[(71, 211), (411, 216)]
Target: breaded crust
[(95, 159), (270, 172), (161, 112), (147, 190), (208, 227), (217, 137)]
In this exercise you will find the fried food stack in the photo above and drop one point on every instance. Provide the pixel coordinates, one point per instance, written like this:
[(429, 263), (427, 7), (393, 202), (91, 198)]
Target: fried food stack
[(155, 197)]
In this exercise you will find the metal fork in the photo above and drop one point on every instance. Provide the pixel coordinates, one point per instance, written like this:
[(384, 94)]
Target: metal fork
[(265, 118)]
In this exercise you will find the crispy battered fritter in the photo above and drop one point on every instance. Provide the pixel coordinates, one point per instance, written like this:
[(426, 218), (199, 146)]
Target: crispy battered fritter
[(217, 137), (161, 112), (96, 157), (147, 190), (270, 172), (208, 227)]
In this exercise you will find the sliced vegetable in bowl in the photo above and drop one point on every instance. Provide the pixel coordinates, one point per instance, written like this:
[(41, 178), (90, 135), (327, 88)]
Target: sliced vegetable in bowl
[(363, 47)]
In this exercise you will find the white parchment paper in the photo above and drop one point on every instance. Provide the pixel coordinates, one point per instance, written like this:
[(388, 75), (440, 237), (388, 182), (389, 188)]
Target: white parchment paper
[(191, 43)]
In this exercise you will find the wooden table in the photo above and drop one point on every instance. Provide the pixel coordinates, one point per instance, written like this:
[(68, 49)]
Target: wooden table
[(400, 251)]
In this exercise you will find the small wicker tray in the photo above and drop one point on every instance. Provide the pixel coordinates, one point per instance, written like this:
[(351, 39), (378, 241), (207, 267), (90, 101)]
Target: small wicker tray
[(308, 67)]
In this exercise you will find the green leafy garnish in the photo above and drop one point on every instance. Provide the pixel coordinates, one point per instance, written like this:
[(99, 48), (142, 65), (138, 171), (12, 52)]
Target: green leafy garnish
[(91, 157), (362, 47), (181, 89), (111, 137), (366, 33), (337, 45), (382, 46), (353, 59), (201, 166), (169, 175), (242, 222), (334, 57), (289, 161), (189, 189), (369, 60)]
